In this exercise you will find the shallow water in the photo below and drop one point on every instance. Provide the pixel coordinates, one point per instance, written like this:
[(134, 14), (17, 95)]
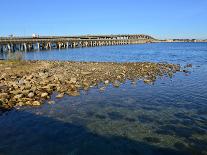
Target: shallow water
[(168, 117)]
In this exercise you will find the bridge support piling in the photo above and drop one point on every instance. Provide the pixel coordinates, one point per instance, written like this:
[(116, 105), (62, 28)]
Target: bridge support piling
[(25, 47), (1, 48), (9, 47)]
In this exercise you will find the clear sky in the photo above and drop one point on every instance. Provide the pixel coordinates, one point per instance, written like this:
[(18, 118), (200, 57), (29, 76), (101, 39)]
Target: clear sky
[(159, 18)]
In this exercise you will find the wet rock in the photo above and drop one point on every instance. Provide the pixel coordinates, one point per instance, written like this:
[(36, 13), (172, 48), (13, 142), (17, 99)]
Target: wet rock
[(147, 81), (44, 95), (60, 95), (102, 89), (36, 103), (106, 82), (86, 85), (73, 93), (51, 102), (116, 84), (20, 104)]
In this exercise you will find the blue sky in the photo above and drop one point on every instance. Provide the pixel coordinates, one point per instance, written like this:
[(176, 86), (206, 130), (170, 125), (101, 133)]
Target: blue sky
[(159, 18)]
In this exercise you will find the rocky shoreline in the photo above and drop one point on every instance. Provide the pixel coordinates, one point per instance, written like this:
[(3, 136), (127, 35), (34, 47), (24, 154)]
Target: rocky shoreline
[(32, 82)]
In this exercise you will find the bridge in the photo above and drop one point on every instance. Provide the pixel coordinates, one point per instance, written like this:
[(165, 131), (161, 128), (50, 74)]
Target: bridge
[(59, 42)]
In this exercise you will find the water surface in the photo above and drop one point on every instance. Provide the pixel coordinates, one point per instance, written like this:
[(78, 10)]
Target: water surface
[(168, 117)]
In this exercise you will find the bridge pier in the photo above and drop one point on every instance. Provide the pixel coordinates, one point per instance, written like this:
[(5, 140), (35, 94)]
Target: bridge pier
[(8, 47), (25, 47), (1, 48)]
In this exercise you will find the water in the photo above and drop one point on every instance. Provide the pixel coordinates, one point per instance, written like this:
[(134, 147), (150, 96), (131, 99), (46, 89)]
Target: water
[(169, 117)]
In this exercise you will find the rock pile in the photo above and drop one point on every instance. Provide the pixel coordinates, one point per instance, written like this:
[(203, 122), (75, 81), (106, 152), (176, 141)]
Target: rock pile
[(32, 82)]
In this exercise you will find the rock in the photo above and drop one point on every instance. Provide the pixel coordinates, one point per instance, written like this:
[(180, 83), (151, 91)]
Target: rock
[(3, 88), (60, 95), (3, 76), (28, 86), (41, 74), (51, 102), (73, 80), (116, 84), (20, 104), (47, 88), (73, 93), (29, 77), (118, 77), (44, 95), (21, 82), (147, 81), (25, 92), (170, 74), (86, 85), (33, 89), (102, 89), (36, 103), (4, 95), (106, 82), (31, 95), (15, 92), (18, 96)]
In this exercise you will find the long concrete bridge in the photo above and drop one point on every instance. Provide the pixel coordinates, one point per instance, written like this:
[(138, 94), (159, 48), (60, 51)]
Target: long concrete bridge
[(52, 42)]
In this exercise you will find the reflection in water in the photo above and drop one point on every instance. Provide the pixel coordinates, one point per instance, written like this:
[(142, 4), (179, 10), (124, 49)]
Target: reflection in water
[(168, 117)]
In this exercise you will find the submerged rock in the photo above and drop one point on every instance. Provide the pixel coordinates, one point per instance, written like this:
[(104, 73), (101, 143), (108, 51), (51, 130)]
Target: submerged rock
[(60, 95), (36, 103), (44, 95)]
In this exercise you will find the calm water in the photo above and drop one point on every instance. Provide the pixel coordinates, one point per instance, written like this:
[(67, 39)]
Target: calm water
[(169, 117)]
